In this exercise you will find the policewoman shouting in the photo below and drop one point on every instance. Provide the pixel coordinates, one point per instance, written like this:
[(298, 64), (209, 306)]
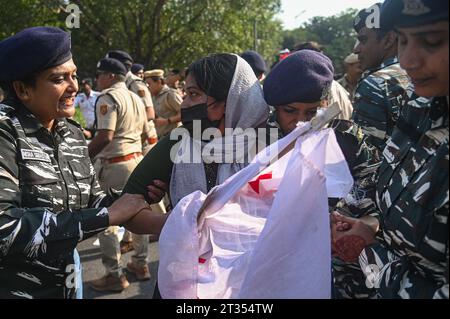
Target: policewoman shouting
[(49, 195)]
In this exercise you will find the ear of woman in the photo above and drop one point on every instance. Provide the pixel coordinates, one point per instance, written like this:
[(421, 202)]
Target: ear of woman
[(21, 91)]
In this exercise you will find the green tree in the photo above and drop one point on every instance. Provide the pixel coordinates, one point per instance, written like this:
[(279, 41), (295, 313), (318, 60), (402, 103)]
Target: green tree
[(335, 33), (19, 14), (157, 33)]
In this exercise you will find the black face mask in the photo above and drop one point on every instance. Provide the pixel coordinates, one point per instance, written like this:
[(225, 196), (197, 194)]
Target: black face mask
[(198, 112)]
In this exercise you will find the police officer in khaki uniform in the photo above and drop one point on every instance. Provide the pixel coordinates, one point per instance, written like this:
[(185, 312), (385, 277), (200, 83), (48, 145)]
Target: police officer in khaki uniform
[(117, 146), (167, 103), (136, 85), (352, 74), (138, 70)]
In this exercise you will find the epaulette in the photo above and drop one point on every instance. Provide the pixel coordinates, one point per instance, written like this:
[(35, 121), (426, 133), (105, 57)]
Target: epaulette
[(71, 121), (6, 109)]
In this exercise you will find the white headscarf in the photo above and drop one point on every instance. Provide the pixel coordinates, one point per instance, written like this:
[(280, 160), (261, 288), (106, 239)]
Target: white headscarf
[(245, 108)]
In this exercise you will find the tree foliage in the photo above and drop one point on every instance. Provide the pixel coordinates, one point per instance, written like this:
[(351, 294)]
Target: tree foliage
[(335, 33), (157, 33)]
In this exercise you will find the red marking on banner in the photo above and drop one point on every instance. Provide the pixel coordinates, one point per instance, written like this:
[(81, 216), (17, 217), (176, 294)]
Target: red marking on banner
[(255, 184)]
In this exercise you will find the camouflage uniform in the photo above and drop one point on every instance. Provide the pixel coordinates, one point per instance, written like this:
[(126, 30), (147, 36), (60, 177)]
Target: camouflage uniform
[(411, 258), (47, 183), (377, 101), (364, 161)]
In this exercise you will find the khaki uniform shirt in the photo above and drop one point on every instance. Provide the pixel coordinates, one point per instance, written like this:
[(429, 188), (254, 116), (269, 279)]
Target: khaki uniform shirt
[(136, 85), (341, 96), (347, 86), (167, 104), (121, 111)]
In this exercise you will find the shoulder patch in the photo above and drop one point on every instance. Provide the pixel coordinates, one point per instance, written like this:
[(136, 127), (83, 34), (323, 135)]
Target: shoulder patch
[(104, 109), (73, 122), (141, 92)]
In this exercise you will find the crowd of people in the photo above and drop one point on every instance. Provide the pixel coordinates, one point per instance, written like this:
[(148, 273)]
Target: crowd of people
[(62, 183)]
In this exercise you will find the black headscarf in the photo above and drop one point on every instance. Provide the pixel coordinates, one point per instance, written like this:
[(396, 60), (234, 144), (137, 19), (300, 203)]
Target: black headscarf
[(214, 74)]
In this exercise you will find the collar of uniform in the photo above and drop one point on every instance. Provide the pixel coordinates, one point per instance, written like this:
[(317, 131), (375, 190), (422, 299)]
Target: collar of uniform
[(165, 89), (388, 62), (30, 123), (119, 85), (84, 95), (61, 127), (130, 77)]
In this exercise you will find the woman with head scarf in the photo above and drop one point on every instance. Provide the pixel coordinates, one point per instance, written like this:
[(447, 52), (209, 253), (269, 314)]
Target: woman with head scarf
[(223, 99), (49, 195)]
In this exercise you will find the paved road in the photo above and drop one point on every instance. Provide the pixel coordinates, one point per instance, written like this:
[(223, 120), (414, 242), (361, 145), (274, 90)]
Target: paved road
[(93, 269)]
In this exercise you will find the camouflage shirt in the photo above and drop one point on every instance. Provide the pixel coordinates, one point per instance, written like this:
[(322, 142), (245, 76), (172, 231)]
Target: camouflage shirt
[(377, 101), (411, 260), (364, 161), (362, 158), (47, 183)]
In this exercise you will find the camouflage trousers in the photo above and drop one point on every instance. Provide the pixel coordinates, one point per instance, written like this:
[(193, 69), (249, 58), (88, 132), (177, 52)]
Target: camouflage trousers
[(349, 282)]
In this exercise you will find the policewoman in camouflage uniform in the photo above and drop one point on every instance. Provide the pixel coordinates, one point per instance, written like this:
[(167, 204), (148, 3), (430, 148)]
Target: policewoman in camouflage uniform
[(409, 257), (380, 92), (298, 88), (49, 195)]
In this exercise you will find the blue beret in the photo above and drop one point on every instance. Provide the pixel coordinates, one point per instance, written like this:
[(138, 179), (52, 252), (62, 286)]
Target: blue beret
[(122, 56), (304, 76), (410, 13), (136, 68), (33, 50), (111, 65), (255, 60), (361, 18)]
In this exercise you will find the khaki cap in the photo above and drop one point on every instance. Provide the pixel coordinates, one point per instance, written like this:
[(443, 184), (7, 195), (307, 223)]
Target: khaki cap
[(154, 74), (351, 58)]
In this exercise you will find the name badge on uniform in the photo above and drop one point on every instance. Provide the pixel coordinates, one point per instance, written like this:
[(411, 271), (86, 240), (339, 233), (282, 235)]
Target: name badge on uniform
[(35, 156)]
